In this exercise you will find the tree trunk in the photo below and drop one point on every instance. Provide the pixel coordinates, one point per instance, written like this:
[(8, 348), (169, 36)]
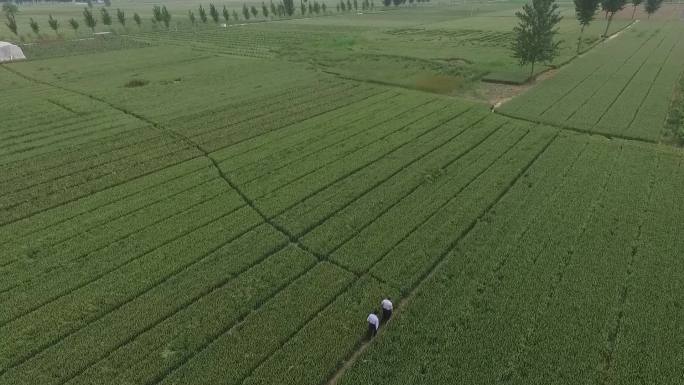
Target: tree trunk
[(633, 12), (579, 39), (605, 33), (532, 70)]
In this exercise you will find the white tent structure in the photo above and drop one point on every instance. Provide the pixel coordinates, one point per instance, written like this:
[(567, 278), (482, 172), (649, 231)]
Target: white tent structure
[(10, 52)]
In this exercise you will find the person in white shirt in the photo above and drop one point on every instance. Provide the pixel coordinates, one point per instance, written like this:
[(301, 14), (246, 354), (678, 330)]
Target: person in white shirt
[(387, 308), (373, 324)]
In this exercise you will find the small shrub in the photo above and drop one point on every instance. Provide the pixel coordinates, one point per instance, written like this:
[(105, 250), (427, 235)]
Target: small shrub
[(136, 83)]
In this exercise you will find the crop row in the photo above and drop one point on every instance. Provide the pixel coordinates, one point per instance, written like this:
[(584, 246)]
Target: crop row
[(469, 331), (19, 207), (279, 107), (81, 261), (281, 118), (116, 276), (346, 224), (395, 134), (251, 260), (650, 324), (92, 204), (303, 138), (381, 128), (385, 181), (318, 348), (76, 173), (77, 246)]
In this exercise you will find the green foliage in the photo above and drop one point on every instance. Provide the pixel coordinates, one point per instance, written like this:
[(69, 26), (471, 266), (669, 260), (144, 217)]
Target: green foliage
[(53, 23), (213, 12), (675, 116), (651, 6), (236, 17), (10, 9), (166, 17), (535, 33), (202, 14), (611, 7), (157, 14), (226, 14), (106, 17), (288, 7), (585, 10), (11, 23), (191, 16), (264, 10), (89, 19), (137, 19), (121, 16), (302, 8), (74, 24), (254, 11), (34, 26), (245, 11)]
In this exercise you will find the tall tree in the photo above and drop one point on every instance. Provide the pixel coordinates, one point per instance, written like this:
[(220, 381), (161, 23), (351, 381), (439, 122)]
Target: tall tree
[(273, 8), (121, 16), (652, 6), (202, 14), (89, 19), (213, 12), (289, 7), (264, 10), (254, 11), (245, 11), (166, 17), (612, 7), (635, 4), (226, 14), (12, 24), (191, 16), (54, 24), (137, 19), (74, 24), (106, 17), (536, 32), (157, 14), (585, 11), (302, 8), (34, 26), (236, 17)]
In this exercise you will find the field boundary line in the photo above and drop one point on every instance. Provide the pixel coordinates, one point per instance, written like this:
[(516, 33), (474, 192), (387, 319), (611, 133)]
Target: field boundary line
[(576, 129), (439, 262)]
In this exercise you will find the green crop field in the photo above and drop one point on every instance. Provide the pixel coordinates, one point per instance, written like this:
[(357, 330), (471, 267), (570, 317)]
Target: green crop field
[(218, 204)]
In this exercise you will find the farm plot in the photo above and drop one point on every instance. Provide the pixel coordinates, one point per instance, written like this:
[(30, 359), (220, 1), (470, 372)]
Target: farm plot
[(622, 89), (526, 289), (170, 217)]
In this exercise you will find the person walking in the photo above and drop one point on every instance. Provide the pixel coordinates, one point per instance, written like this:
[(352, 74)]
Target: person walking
[(373, 324), (387, 308)]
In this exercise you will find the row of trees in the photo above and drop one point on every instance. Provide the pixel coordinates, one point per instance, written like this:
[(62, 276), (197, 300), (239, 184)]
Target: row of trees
[(538, 26), (585, 10)]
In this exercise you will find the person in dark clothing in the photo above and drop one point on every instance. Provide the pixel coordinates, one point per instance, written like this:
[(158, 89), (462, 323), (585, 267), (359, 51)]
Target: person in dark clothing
[(387, 309), (373, 324)]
